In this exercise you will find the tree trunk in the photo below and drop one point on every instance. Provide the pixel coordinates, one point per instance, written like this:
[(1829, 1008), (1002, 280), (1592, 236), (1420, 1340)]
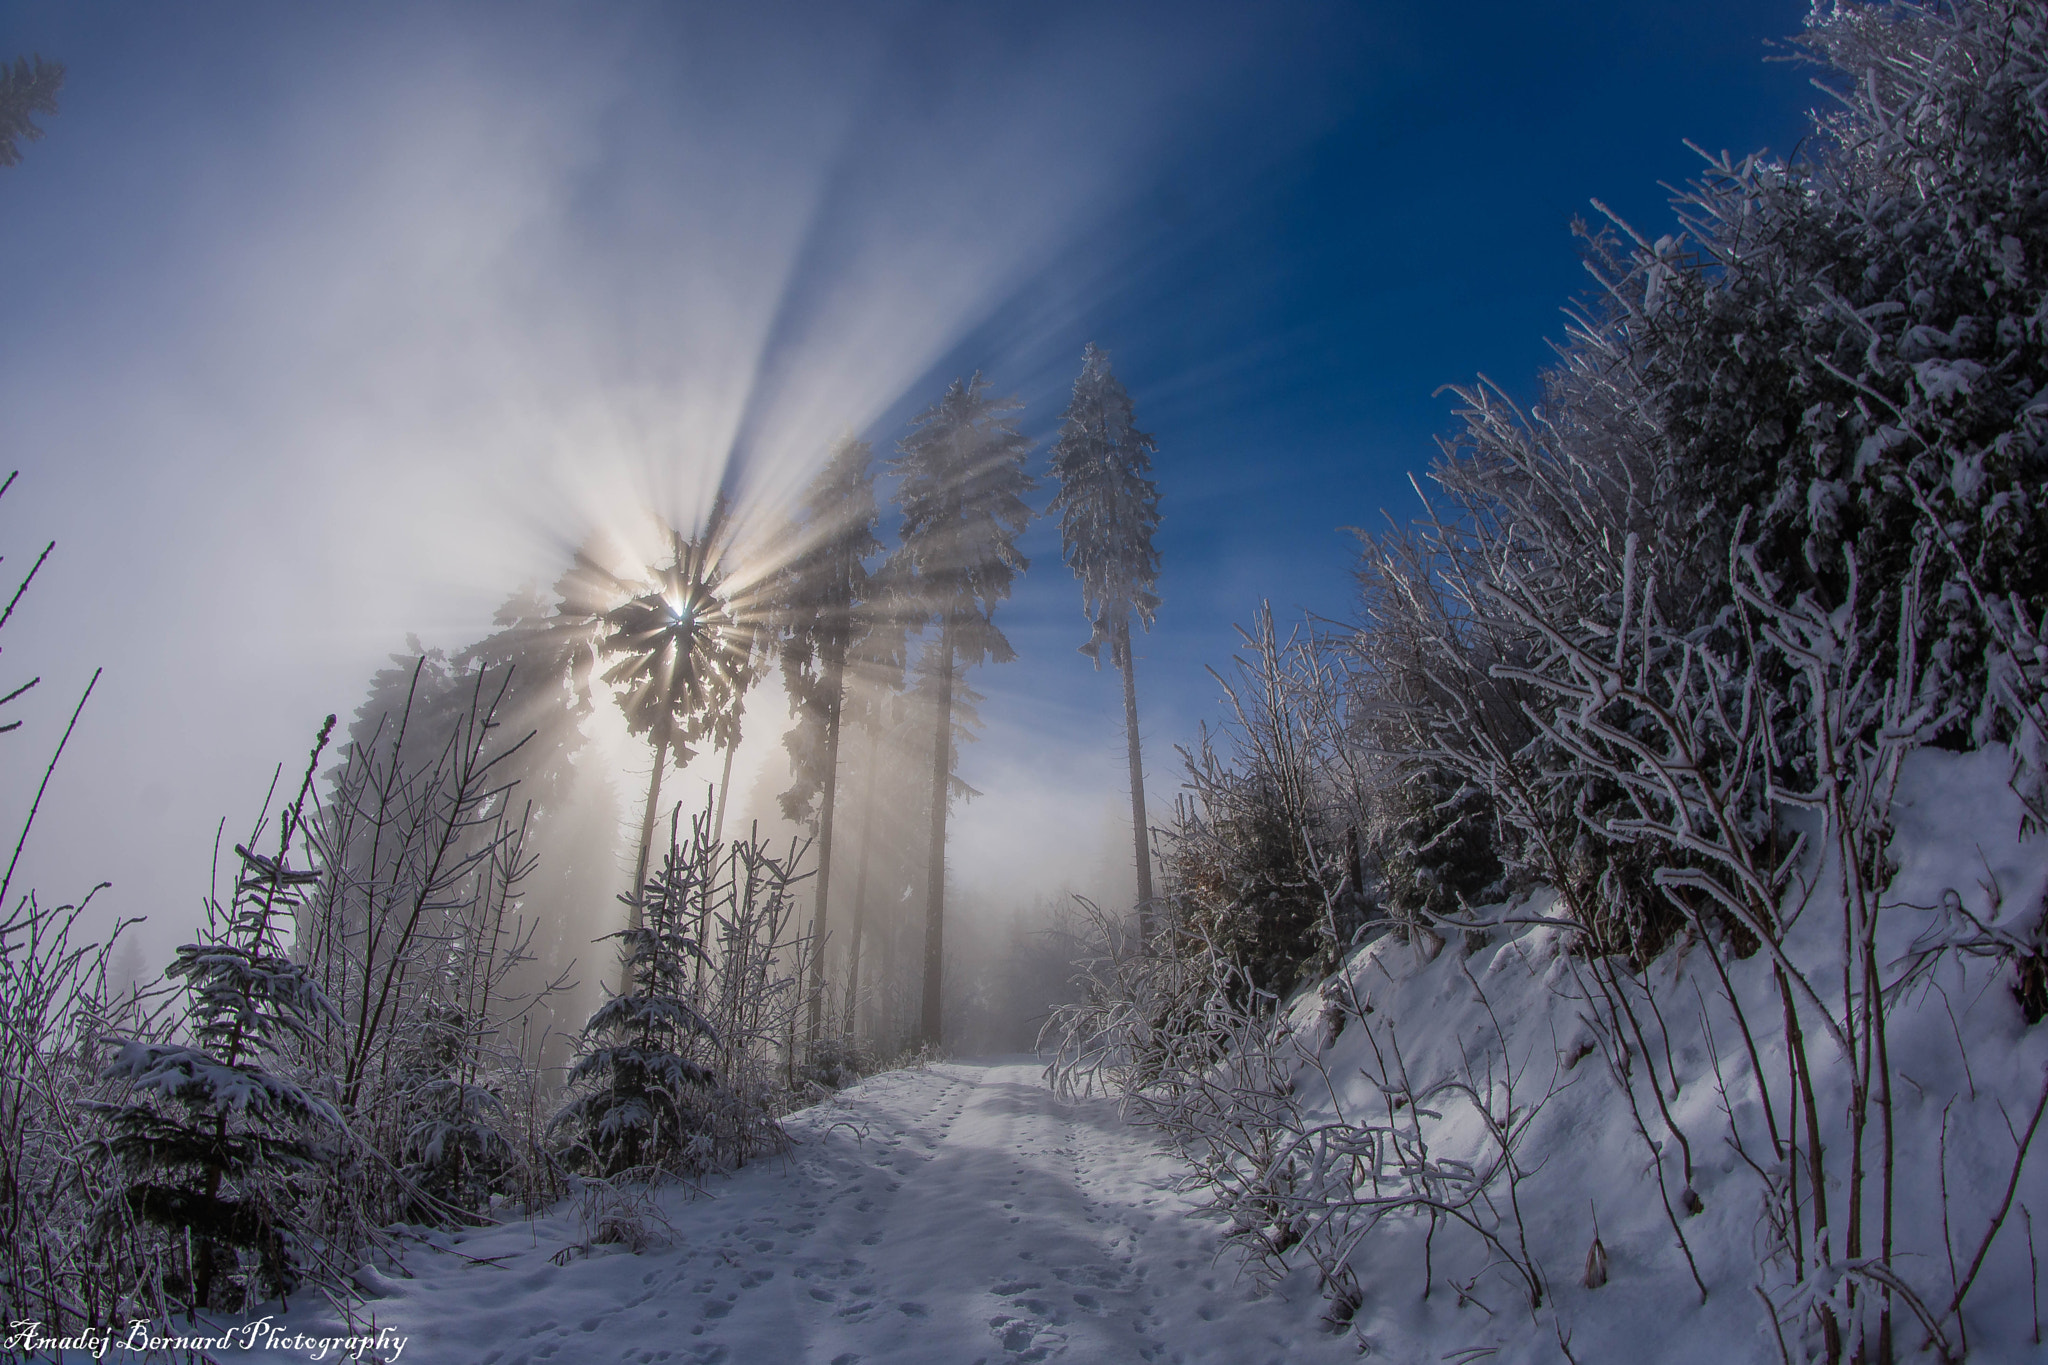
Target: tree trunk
[(860, 882), (1140, 833), (935, 883), (724, 785), (646, 846), (835, 677)]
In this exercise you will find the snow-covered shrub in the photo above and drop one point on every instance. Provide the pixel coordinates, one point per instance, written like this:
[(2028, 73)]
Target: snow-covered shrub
[(213, 1130), (456, 1152), (1141, 1005), (1439, 840), (71, 1253), (1266, 856), (417, 931), (532, 678), (639, 1088), (835, 1061), (687, 1070), (1665, 641), (1237, 1086)]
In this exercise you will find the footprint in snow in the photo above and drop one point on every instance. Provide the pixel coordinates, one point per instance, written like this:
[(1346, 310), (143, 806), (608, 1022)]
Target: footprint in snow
[(913, 1310), (1014, 1333)]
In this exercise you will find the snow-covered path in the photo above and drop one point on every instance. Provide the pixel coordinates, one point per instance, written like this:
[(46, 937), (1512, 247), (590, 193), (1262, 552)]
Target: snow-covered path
[(955, 1214)]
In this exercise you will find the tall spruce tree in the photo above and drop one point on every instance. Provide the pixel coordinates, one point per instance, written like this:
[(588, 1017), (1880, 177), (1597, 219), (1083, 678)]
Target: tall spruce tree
[(1108, 511), (824, 596), (962, 494)]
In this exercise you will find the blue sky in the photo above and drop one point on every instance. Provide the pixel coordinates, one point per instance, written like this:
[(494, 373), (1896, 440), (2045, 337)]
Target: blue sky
[(325, 325)]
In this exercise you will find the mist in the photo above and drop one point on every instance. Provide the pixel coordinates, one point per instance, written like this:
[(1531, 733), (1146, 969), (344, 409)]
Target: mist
[(333, 333)]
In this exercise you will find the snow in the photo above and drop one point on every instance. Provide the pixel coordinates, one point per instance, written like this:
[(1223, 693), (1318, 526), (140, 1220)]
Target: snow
[(1965, 1057), (962, 1213), (953, 1214)]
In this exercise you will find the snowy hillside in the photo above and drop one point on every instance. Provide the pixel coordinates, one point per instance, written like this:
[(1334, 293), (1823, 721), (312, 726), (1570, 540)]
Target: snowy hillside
[(1521, 1022)]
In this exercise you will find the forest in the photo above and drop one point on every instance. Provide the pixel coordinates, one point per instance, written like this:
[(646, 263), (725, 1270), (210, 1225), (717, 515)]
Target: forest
[(1633, 913)]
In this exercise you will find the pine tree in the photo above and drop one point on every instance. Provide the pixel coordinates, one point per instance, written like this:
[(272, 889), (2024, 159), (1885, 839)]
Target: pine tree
[(210, 1133), (827, 612), (686, 665), (27, 88), (962, 495), (1108, 511)]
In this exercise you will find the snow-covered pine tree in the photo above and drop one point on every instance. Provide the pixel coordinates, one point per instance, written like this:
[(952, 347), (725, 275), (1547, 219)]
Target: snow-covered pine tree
[(823, 605), (1108, 511), (962, 495), (684, 665), (209, 1132), (636, 1095)]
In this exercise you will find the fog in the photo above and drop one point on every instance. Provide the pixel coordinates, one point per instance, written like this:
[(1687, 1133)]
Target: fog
[(330, 330)]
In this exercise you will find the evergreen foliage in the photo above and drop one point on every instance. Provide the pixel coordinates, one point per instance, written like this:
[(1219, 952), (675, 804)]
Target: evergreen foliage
[(1263, 859), (962, 493), (683, 659), (832, 614), (1440, 859), (1108, 511), (214, 1128), (828, 618), (679, 1072), (1831, 376), (638, 1105), (27, 88), (1108, 508)]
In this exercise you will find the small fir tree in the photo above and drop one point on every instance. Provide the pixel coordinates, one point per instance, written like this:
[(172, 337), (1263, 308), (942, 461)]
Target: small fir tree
[(210, 1134), (640, 1089)]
